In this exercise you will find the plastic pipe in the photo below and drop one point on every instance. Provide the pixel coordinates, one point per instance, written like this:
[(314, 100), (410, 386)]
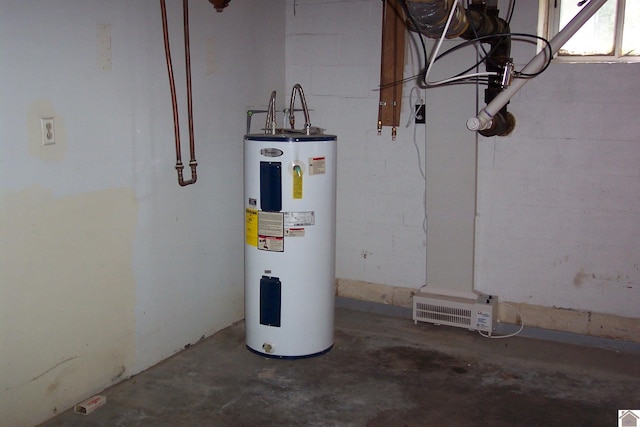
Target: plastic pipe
[(483, 119)]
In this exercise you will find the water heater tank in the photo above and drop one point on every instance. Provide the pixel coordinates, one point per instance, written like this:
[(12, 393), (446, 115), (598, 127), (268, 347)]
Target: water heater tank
[(290, 207)]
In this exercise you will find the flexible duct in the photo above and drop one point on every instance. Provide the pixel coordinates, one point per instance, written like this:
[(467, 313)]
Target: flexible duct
[(431, 17)]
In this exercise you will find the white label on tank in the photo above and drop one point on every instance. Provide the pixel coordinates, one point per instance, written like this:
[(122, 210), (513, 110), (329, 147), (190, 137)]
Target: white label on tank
[(316, 165), (270, 224), (294, 232), (299, 219), (270, 243)]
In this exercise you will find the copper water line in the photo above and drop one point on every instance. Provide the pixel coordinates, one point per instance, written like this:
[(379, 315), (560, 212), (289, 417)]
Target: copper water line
[(176, 126), (292, 117), (270, 125)]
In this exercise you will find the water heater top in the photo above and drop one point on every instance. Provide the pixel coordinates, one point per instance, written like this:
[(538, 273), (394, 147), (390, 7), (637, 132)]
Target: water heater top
[(288, 136)]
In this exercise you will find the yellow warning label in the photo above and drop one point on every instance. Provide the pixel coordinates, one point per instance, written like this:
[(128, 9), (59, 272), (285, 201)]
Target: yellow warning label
[(251, 226), (297, 185)]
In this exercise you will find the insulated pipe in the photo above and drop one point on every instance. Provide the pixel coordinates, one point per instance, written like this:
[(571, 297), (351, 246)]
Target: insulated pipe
[(176, 127), (485, 117), (431, 17)]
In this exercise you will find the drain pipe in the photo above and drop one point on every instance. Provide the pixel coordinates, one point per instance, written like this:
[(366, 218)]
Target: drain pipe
[(485, 117), (176, 127)]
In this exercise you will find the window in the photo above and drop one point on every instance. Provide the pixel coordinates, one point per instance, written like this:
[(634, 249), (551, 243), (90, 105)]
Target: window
[(612, 34)]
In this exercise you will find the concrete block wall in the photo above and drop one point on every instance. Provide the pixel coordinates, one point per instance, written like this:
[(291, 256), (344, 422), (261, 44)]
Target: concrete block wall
[(551, 223), (107, 266)]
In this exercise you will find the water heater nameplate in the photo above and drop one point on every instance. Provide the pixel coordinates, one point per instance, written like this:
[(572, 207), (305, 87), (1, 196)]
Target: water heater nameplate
[(299, 219), (271, 152)]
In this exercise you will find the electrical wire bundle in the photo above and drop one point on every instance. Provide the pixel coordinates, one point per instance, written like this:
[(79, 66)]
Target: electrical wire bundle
[(464, 77)]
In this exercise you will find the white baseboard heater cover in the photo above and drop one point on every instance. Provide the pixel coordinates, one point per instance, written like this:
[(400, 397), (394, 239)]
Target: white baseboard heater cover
[(475, 315)]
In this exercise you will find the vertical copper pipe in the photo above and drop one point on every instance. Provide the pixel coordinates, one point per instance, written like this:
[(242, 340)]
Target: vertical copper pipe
[(292, 116), (380, 102), (176, 126)]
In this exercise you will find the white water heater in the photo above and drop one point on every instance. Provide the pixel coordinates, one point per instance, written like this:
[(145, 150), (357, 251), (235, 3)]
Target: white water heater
[(290, 207)]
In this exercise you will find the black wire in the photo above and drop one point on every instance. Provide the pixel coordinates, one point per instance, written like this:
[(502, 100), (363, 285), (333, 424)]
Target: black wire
[(405, 8), (477, 39), (512, 7), (423, 84)]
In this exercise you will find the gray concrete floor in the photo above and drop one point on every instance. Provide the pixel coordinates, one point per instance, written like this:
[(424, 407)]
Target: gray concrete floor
[(382, 371)]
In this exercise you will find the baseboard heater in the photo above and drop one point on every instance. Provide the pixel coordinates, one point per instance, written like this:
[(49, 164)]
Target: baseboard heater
[(475, 315)]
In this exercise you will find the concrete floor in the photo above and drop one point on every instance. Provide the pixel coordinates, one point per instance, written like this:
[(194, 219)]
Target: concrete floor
[(382, 371)]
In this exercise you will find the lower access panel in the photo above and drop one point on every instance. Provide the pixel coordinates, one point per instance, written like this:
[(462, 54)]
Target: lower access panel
[(270, 301)]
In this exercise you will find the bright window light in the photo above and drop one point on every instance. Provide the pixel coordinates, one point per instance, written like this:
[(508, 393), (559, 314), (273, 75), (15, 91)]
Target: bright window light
[(612, 34)]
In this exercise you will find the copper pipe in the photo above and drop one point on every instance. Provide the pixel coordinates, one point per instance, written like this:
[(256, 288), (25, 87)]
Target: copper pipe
[(381, 103), (176, 126), (292, 117), (270, 125)]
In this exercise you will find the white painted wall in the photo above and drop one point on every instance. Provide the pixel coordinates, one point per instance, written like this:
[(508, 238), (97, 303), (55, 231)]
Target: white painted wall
[(107, 265), (558, 201), (333, 50)]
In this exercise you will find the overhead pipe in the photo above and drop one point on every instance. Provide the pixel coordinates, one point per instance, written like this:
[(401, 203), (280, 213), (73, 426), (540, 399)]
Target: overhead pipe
[(435, 18), (176, 126), (485, 117)]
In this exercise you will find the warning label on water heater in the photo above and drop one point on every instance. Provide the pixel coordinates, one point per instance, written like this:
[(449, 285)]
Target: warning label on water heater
[(317, 165), (251, 226), (271, 231), (294, 232), (273, 244)]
